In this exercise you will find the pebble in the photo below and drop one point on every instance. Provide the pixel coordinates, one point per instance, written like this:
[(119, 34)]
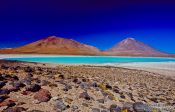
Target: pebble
[(43, 95), (16, 109), (2, 98), (8, 103), (85, 96), (2, 83), (4, 91), (115, 108), (60, 106), (101, 100), (140, 107), (33, 87), (95, 110)]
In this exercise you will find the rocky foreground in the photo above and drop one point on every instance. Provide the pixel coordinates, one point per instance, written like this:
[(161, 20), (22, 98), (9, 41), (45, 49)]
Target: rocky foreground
[(33, 87)]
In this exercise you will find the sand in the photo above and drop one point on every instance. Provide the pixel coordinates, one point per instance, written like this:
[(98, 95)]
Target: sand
[(163, 68)]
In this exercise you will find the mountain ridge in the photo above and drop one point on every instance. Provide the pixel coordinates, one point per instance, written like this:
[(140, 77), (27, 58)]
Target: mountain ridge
[(63, 46)]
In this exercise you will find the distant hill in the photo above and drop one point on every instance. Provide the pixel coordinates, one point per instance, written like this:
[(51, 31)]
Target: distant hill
[(54, 45), (132, 47), (62, 46)]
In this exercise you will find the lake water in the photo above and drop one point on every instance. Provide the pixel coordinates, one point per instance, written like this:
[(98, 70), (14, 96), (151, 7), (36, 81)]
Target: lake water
[(90, 59)]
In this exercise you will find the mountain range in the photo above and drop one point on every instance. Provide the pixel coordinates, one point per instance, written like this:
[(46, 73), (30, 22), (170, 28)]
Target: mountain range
[(62, 46)]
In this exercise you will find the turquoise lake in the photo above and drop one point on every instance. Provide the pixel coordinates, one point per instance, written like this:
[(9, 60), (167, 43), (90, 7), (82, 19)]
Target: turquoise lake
[(91, 59)]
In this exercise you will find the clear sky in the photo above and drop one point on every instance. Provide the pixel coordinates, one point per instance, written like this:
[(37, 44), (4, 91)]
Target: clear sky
[(100, 23)]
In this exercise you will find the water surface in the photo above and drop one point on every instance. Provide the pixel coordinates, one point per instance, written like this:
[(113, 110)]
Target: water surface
[(90, 59)]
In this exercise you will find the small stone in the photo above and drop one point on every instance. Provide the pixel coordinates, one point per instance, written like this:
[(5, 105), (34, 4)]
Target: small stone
[(95, 110), (108, 86), (67, 87), (16, 109), (55, 98), (140, 107), (115, 108), (43, 95), (84, 85), (45, 83), (104, 111), (61, 76), (128, 106), (60, 106), (94, 85), (85, 104), (2, 98), (85, 96), (101, 100), (8, 103), (33, 88), (4, 91), (2, 83), (35, 111), (74, 108)]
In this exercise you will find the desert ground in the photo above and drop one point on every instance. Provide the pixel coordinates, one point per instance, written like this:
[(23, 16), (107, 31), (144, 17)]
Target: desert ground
[(39, 87)]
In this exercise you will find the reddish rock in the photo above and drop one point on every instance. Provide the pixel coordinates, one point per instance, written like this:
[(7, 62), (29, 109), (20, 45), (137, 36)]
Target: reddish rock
[(8, 103), (43, 95), (16, 109)]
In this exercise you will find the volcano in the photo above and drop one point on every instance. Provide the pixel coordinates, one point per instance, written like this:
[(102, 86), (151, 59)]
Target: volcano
[(132, 47), (54, 45)]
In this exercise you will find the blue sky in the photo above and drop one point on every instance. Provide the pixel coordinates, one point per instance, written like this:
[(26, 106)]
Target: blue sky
[(100, 23)]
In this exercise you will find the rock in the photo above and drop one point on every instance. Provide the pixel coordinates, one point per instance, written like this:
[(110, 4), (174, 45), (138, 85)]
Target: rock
[(128, 106), (4, 91), (95, 110), (16, 109), (84, 85), (116, 89), (2, 83), (108, 86), (2, 98), (94, 84), (53, 85), (45, 83), (55, 98), (115, 108), (60, 106), (12, 88), (35, 111), (140, 107), (85, 104), (14, 77), (8, 103), (104, 111), (74, 108), (85, 96), (67, 87), (33, 87), (76, 80), (101, 100), (43, 95), (28, 69), (61, 76), (68, 100), (18, 84)]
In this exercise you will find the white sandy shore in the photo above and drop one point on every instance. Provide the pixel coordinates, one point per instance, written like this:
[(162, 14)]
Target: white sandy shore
[(163, 68)]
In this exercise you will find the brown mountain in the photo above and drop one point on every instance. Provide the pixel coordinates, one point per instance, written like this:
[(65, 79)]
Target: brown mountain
[(54, 45), (132, 47)]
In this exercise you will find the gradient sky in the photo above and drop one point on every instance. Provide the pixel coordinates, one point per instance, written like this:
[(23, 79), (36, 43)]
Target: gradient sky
[(100, 23)]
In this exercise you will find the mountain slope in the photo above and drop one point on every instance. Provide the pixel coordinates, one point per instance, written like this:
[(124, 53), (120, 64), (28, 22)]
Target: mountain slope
[(132, 47), (54, 45)]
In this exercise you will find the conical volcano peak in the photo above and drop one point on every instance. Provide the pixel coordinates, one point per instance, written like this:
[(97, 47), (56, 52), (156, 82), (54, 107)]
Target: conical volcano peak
[(130, 39)]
